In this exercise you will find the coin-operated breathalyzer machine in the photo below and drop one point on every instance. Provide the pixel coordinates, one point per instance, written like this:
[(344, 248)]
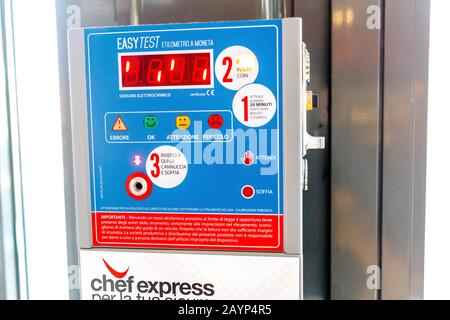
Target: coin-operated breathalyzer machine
[(188, 146)]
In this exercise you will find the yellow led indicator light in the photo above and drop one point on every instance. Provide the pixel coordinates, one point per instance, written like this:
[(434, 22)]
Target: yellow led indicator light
[(183, 122), (309, 100)]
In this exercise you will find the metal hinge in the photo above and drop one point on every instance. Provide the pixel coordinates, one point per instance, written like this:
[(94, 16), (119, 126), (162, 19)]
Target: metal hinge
[(309, 142)]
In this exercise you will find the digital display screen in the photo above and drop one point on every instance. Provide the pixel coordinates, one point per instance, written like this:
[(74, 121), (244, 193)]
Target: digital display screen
[(162, 70)]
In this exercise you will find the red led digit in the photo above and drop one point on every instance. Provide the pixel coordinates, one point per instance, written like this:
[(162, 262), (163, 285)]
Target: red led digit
[(131, 66), (176, 64), (200, 69), (155, 72)]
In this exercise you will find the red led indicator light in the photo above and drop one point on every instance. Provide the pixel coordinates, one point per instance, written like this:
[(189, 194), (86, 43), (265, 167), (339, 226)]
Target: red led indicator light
[(159, 70), (248, 192), (215, 121)]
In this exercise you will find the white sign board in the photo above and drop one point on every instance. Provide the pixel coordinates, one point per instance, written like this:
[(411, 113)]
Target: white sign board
[(134, 275)]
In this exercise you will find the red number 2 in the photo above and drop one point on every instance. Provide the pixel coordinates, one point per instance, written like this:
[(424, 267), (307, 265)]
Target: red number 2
[(229, 63)]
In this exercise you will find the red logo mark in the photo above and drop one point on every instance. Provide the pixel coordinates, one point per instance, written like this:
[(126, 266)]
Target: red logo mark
[(248, 158), (115, 273)]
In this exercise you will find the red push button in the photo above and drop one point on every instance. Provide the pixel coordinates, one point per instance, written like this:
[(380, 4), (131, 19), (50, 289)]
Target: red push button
[(247, 192)]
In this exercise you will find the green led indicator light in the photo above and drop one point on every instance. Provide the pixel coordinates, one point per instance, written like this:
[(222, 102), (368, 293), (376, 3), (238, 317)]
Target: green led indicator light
[(151, 122)]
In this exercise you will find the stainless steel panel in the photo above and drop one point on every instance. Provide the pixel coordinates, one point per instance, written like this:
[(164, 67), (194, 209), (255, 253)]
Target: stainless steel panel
[(404, 156), (421, 66), (355, 149), (316, 201), (292, 135), (398, 143), (163, 11), (80, 146)]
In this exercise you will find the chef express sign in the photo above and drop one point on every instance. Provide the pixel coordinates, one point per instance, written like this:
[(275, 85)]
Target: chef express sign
[(114, 275)]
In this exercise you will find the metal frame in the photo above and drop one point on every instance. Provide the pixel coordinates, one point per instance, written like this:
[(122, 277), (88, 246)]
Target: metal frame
[(119, 12), (369, 224), (379, 83), (405, 148), (315, 15), (355, 149), (8, 270), (13, 267), (293, 105), (80, 138)]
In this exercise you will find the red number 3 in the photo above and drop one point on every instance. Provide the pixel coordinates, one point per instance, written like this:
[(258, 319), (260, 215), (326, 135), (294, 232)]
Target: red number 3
[(156, 171)]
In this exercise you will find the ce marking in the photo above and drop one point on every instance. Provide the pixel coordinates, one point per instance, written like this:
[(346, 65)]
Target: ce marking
[(210, 93)]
